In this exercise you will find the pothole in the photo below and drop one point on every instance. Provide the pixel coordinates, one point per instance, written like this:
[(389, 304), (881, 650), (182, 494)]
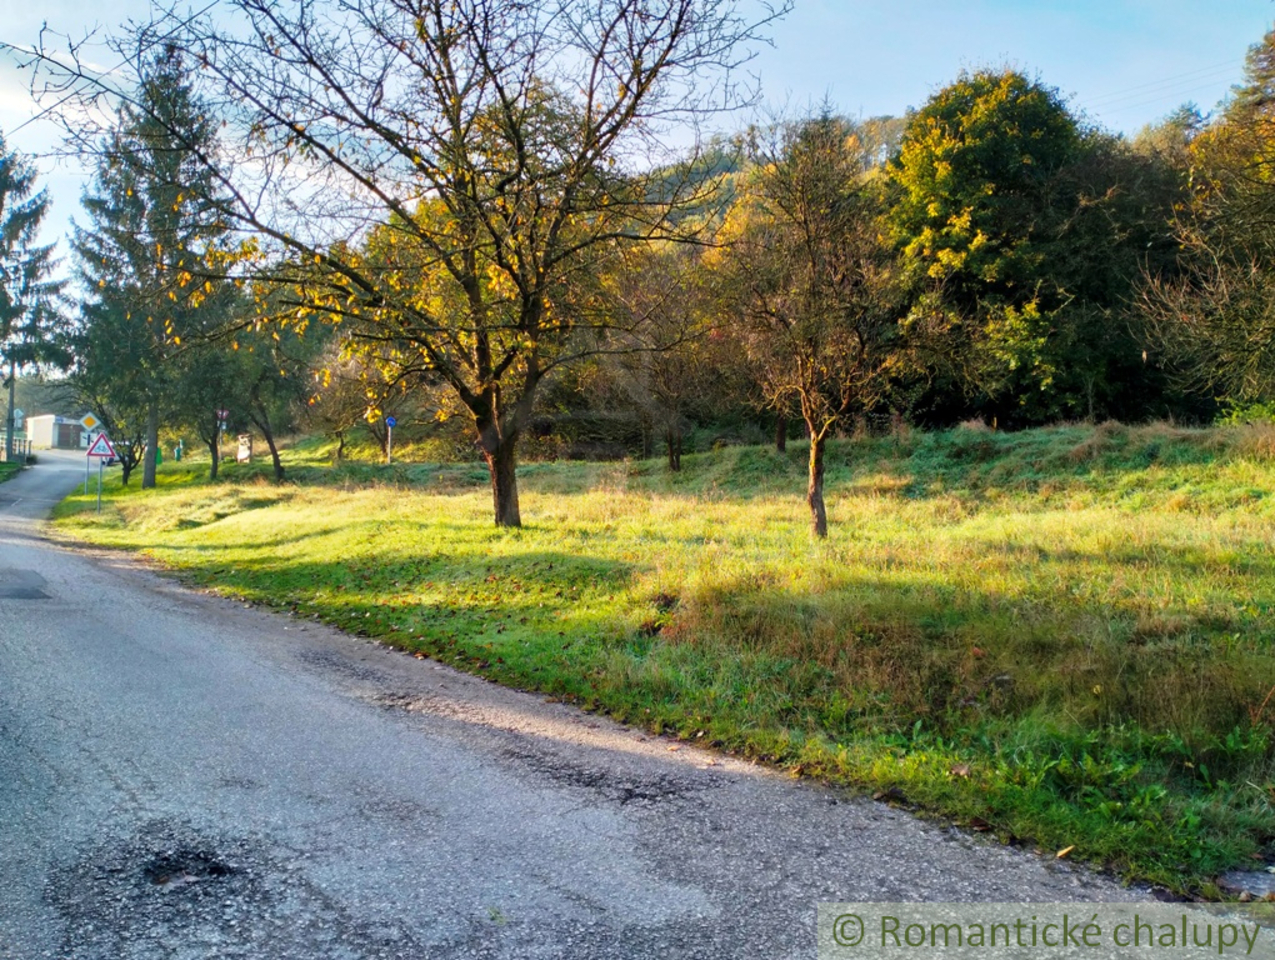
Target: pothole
[(172, 890), (414, 703), (21, 585), (619, 788), (342, 664), (172, 869)]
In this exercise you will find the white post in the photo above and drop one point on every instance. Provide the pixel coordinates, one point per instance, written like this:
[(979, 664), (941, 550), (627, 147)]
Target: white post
[(389, 444), (99, 484)]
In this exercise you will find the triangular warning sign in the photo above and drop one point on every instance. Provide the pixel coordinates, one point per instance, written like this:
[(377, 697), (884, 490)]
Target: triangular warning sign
[(101, 447)]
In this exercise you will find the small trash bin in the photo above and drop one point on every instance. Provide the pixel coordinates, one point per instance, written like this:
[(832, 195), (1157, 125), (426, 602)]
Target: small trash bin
[(245, 448)]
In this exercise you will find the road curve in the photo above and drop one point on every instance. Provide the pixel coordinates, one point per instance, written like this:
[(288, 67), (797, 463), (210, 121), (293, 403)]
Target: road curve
[(185, 777)]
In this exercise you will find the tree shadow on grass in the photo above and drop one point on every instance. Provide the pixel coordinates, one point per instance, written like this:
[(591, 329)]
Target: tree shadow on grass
[(536, 584)]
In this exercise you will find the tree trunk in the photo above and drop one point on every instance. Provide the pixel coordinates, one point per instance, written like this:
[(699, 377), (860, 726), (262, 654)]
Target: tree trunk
[(261, 420), (340, 447), (504, 482), (152, 446), (130, 456), (781, 433), (274, 456), (814, 491), (498, 430), (673, 441), (214, 450)]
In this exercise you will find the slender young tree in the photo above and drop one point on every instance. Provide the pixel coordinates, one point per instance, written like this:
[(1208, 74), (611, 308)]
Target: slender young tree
[(207, 381), (808, 275), (116, 400), (356, 384), (274, 378)]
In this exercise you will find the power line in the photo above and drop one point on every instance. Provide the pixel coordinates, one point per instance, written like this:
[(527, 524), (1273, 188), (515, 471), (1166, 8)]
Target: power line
[(1190, 76), (1177, 94)]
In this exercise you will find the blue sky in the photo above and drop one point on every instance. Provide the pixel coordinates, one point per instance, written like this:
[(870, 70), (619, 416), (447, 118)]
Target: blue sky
[(1123, 63)]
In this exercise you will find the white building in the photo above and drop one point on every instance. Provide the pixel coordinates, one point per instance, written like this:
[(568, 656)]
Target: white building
[(51, 432)]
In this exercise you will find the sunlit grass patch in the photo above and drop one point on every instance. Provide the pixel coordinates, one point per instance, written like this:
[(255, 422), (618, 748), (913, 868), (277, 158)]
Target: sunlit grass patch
[(1078, 621)]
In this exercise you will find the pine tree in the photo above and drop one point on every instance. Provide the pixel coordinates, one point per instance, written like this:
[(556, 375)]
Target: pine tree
[(28, 296), (145, 259)]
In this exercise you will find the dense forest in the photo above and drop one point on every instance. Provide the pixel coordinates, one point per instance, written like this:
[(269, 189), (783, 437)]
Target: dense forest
[(479, 244)]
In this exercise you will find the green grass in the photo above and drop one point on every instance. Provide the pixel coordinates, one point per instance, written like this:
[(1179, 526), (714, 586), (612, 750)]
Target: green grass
[(8, 470), (1062, 636)]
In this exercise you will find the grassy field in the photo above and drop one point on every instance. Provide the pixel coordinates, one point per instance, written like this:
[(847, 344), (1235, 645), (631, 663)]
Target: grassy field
[(8, 470), (1063, 637)]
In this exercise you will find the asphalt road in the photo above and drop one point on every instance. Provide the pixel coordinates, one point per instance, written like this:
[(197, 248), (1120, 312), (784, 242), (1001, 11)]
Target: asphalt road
[(185, 777)]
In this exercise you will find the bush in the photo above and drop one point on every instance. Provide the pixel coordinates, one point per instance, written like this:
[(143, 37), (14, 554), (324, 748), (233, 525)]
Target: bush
[(1235, 413)]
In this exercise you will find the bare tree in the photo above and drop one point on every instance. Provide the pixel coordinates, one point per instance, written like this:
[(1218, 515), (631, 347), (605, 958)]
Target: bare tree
[(502, 149), (807, 276), (667, 368), (1216, 324), (1212, 313)]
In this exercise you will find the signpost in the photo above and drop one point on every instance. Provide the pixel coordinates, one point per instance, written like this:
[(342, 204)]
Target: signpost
[(88, 422), (390, 424), (103, 450)]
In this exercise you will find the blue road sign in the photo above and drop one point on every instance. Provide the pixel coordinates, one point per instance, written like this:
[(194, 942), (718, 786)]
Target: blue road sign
[(391, 422)]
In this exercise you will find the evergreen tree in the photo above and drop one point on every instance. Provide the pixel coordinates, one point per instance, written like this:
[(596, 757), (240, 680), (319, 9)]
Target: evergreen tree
[(147, 259), (29, 317)]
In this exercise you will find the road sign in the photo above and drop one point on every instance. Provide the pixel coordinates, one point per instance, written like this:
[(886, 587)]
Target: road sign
[(223, 415), (101, 447), (89, 422), (391, 422)]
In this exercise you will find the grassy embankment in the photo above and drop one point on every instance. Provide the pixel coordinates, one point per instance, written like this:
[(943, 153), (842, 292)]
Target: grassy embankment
[(1063, 636), (8, 470)]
